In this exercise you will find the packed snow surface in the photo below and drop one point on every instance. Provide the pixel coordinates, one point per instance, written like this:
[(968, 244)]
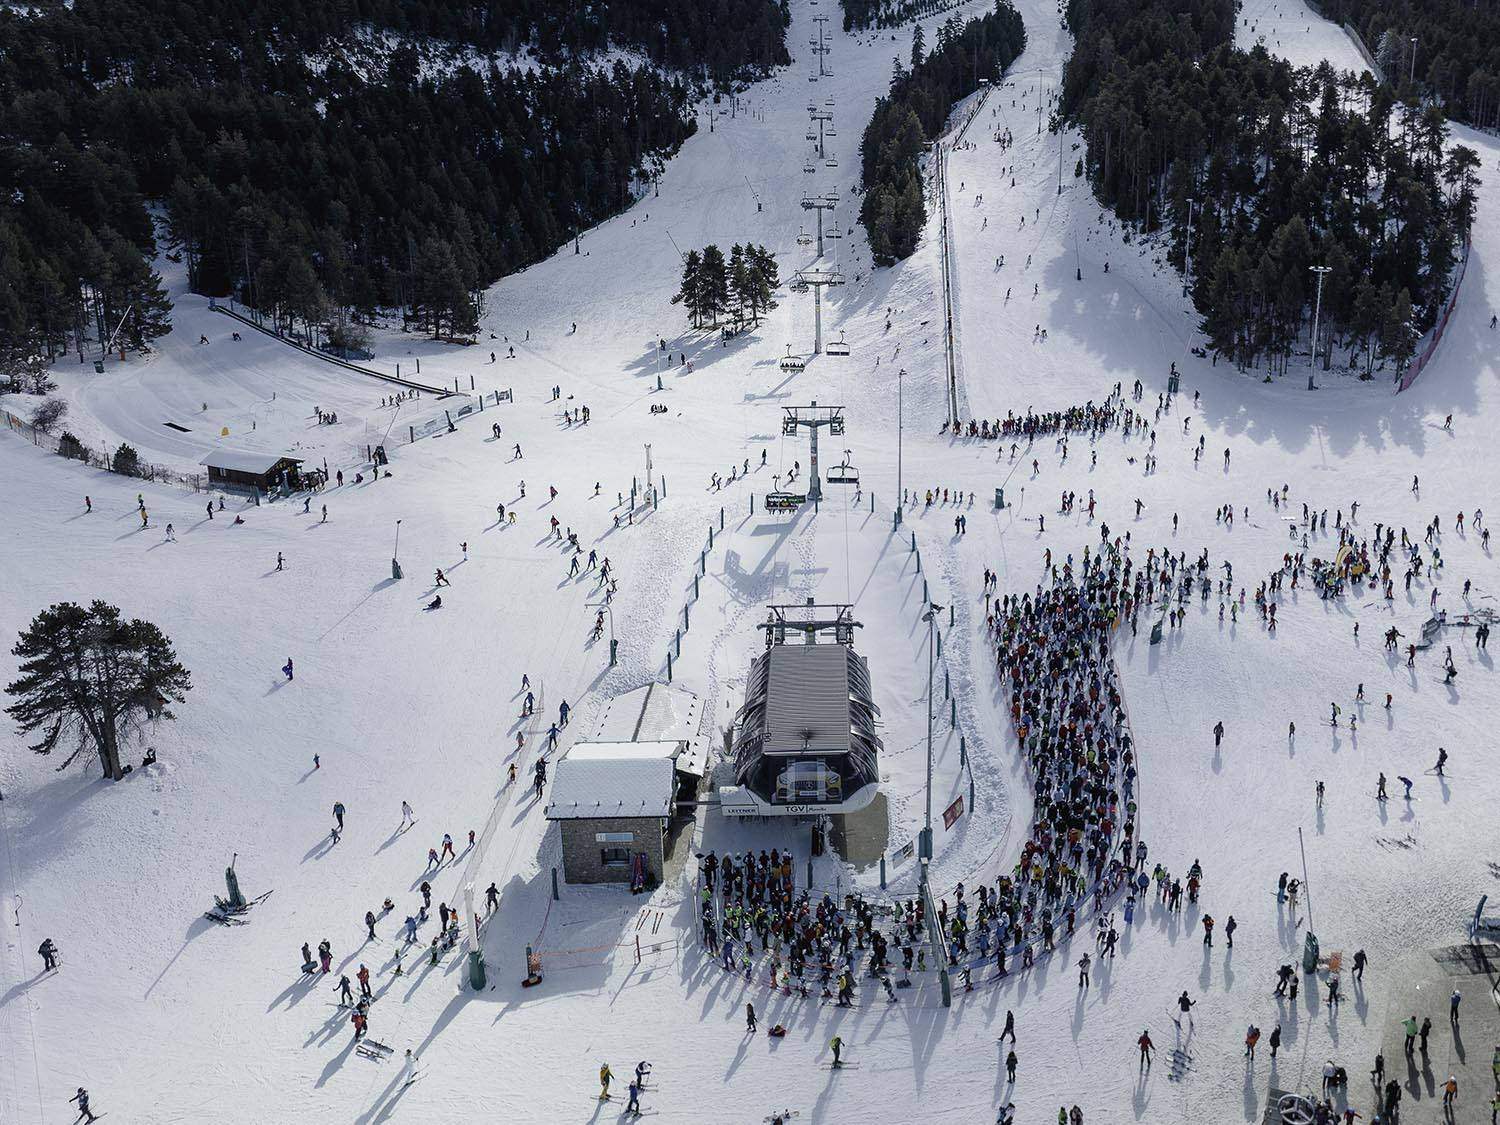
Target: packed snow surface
[(165, 1016)]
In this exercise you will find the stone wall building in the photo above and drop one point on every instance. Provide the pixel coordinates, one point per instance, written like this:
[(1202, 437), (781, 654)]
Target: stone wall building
[(612, 813)]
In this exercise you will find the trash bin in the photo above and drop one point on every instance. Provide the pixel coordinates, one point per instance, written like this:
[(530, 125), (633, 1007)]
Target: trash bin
[(1310, 953)]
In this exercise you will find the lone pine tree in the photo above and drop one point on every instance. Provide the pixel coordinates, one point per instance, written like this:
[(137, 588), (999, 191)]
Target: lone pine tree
[(89, 679)]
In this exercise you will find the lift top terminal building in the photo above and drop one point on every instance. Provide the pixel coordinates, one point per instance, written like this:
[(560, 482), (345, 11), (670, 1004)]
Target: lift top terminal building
[(805, 741)]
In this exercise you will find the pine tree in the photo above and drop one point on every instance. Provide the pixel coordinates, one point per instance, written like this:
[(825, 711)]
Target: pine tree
[(714, 284), (741, 284), (690, 292), (1364, 322), (91, 679), (442, 295), (765, 280), (1398, 336)]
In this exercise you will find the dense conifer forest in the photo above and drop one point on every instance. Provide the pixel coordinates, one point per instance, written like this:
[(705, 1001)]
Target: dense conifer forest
[(914, 112), (310, 185), (1283, 170), (1456, 56)]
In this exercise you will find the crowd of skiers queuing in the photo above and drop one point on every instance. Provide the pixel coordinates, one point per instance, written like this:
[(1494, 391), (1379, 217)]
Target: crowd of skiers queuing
[(1052, 650)]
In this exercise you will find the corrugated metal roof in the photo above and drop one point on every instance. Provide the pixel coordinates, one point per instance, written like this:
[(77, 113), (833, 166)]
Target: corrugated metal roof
[(245, 460), (590, 788), (807, 700)]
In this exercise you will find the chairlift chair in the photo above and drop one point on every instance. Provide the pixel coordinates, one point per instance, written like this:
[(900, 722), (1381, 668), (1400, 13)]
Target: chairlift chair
[(842, 474), (803, 238), (809, 168), (784, 501), (832, 162), (837, 347)]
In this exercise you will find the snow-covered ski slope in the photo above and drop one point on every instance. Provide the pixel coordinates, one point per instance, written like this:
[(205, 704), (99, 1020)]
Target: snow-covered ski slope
[(166, 1017)]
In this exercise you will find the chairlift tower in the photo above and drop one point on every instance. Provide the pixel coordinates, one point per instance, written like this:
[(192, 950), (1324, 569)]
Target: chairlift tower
[(815, 278), (823, 118), (814, 417), (820, 44), (821, 203)]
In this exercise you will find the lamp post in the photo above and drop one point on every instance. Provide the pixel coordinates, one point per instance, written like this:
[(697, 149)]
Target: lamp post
[(934, 934), (1321, 271), (900, 432), (395, 553), (1187, 253)]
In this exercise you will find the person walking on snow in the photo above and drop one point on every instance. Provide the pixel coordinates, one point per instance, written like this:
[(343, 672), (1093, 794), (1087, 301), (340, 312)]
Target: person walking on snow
[(1146, 1046), (1083, 971), (1185, 1006), (1218, 734), (750, 1024), (408, 817)]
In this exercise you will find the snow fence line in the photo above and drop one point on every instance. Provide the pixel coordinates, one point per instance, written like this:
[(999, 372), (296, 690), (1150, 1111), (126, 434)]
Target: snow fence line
[(441, 392), (103, 459), (1418, 365)]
